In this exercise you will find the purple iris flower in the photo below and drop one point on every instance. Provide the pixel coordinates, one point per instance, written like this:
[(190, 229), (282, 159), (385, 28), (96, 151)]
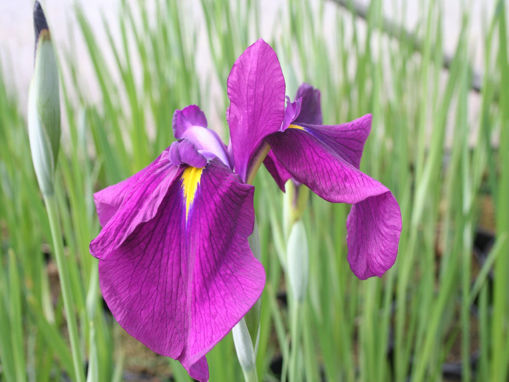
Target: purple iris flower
[(175, 265), (326, 158)]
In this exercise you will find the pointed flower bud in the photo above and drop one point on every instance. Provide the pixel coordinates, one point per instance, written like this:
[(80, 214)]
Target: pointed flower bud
[(245, 350), (298, 261), (44, 105)]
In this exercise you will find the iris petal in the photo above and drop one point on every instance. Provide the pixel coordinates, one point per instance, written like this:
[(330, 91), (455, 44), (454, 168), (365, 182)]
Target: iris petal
[(329, 170), (180, 286), (373, 229), (347, 139), (185, 153), (311, 110), (292, 112), (277, 171), (108, 200), (143, 192), (190, 124), (256, 89), (187, 117)]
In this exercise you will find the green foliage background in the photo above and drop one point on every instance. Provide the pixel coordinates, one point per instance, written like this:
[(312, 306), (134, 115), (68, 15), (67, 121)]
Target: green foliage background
[(438, 304)]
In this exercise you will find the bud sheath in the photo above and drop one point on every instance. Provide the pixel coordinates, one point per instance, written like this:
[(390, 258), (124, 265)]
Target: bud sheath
[(245, 351), (298, 261), (44, 106)]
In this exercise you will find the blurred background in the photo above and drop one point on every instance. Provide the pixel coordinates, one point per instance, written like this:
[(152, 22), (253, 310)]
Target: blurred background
[(435, 75)]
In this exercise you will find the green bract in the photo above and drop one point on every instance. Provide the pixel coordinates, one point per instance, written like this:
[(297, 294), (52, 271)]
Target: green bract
[(298, 260), (44, 113)]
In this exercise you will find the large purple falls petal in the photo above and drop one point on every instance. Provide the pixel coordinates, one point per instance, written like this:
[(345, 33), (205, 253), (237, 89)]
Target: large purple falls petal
[(181, 280), (329, 168), (256, 88), (347, 139), (143, 192), (373, 229)]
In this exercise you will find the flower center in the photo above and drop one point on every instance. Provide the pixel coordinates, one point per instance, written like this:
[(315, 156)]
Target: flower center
[(207, 143), (190, 180)]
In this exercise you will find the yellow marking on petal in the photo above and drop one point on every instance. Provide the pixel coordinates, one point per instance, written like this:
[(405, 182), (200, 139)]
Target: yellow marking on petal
[(190, 180), (296, 127)]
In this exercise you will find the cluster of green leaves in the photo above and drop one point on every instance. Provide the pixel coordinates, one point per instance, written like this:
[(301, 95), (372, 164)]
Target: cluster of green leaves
[(437, 301)]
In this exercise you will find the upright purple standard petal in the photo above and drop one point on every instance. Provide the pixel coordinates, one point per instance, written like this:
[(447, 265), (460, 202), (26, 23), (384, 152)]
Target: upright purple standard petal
[(292, 112), (278, 172), (179, 282), (256, 89), (311, 109), (326, 159)]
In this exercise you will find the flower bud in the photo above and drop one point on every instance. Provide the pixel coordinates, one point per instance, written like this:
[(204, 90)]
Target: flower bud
[(297, 258), (244, 348), (44, 105)]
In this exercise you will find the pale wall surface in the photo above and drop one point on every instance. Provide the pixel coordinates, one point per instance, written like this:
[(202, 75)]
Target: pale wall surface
[(16, 31)]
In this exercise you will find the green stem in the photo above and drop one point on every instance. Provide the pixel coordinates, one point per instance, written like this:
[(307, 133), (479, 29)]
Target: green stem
[(295, 341), (250, 375), (257, 162), (56, 235)]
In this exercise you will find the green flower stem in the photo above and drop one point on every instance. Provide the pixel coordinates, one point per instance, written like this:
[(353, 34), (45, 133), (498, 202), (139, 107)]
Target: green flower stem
[(294, 349), (297, 269), (250, 375), (56, 235), (257, 162)]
